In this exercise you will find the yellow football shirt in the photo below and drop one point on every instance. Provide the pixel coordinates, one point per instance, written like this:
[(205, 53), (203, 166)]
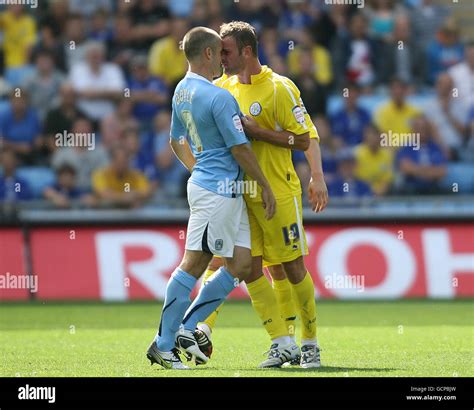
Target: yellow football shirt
[(19, 34), (394, 121), (105, 178), (275, 103), (375, 168), (166, 60)]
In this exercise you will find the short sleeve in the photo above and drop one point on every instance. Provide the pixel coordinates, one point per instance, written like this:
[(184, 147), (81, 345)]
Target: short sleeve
[(226, 115), (177, 128), (289, 110)]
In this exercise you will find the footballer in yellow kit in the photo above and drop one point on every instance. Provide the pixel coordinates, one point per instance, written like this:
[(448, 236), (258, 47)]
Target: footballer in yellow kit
[(276, 121)]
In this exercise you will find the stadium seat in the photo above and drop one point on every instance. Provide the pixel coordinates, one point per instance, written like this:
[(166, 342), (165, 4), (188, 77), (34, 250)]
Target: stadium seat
[(38, 178), (462, 174)]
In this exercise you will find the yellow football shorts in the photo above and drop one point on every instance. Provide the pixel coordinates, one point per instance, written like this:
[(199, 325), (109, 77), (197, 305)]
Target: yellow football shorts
[(282, 238)]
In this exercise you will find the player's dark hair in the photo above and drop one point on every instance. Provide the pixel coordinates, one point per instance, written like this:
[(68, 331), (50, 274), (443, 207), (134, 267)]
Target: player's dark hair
[(197, 40), (244, 34)]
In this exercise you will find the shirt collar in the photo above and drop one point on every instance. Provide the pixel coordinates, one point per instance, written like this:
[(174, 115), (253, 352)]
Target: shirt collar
[(190, 74), (262, 74)]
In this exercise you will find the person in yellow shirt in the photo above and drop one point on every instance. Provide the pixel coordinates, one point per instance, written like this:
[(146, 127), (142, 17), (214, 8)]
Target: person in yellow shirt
[(320, 57), (19, 35), (166, 58), (395, 117), (119, 185), (374, 163), (276, 122)]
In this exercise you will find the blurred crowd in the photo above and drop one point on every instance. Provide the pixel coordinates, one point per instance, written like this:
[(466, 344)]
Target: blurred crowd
[(86, 87)]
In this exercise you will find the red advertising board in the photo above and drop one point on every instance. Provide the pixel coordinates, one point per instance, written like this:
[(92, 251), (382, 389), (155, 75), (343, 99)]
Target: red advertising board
[(13, 270), (347, 262)]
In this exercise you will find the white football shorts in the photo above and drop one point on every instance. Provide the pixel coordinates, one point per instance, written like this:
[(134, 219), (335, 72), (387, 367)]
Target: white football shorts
[(216, 223)]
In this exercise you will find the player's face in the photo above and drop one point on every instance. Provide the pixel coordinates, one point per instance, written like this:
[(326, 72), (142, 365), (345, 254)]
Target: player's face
[(232, 60), (217, 61)]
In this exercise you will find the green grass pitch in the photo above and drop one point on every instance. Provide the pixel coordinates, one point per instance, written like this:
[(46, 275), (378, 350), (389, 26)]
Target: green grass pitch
[(400, 338)]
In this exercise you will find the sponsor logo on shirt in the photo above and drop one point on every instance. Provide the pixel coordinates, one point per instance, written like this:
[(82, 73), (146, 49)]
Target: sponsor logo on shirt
[(237, 123), (299, 114)]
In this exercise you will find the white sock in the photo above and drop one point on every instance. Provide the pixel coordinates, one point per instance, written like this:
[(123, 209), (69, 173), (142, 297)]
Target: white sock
[(282, 341), (309, 342)]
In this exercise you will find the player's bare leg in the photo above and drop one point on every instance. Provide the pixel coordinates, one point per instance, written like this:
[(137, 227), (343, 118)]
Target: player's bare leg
[(303, 289)]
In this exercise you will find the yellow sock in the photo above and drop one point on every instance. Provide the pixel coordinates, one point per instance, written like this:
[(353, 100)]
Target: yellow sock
[(265, 304), (303, 294), (211, 319), (284, 297)]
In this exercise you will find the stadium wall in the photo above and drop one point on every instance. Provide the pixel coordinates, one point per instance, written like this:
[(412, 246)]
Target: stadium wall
[(132, 262)]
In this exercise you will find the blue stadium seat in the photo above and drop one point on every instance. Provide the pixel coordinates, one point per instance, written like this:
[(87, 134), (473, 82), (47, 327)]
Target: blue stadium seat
[(463, 175), (38, 178)]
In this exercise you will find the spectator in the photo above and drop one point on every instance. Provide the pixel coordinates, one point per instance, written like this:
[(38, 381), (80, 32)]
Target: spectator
[(82, 158), (166, 58), (374, 163), (463, 77), (426, 20), (141, 158), (61, 118), (20, 127), (19, 36), (422, 169), (150, 21), (294, 20), (395, 116), (120, 185), (56, 17), (256, 13), (43, 85), (12, 187), (349, 122), (346, 184), (445, 51), (64, 191), (97, 83), (171, 172), (467, 153), (271, 45), (449, 115), (401, 57), (381, 16), (122, 46), (75, 41), (100, 30), (148, 94), (355, 53), (322, 69), (50, 43), (113, 126)]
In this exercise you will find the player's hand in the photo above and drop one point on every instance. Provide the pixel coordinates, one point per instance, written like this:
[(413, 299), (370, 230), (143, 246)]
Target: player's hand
[(318, 193), (250, 126), (269, 202)]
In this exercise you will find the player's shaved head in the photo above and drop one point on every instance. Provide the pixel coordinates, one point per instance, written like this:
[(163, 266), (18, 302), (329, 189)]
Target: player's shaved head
[(197, 40)]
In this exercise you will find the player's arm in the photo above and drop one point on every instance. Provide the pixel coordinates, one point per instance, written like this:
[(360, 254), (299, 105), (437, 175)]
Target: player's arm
[(247, 160), (285, 139), (178, 142), (183, 152), (317, 190)]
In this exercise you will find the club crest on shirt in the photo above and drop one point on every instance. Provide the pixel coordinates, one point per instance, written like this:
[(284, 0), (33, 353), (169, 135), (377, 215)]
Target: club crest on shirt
[(219, 244), (255, 109)]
